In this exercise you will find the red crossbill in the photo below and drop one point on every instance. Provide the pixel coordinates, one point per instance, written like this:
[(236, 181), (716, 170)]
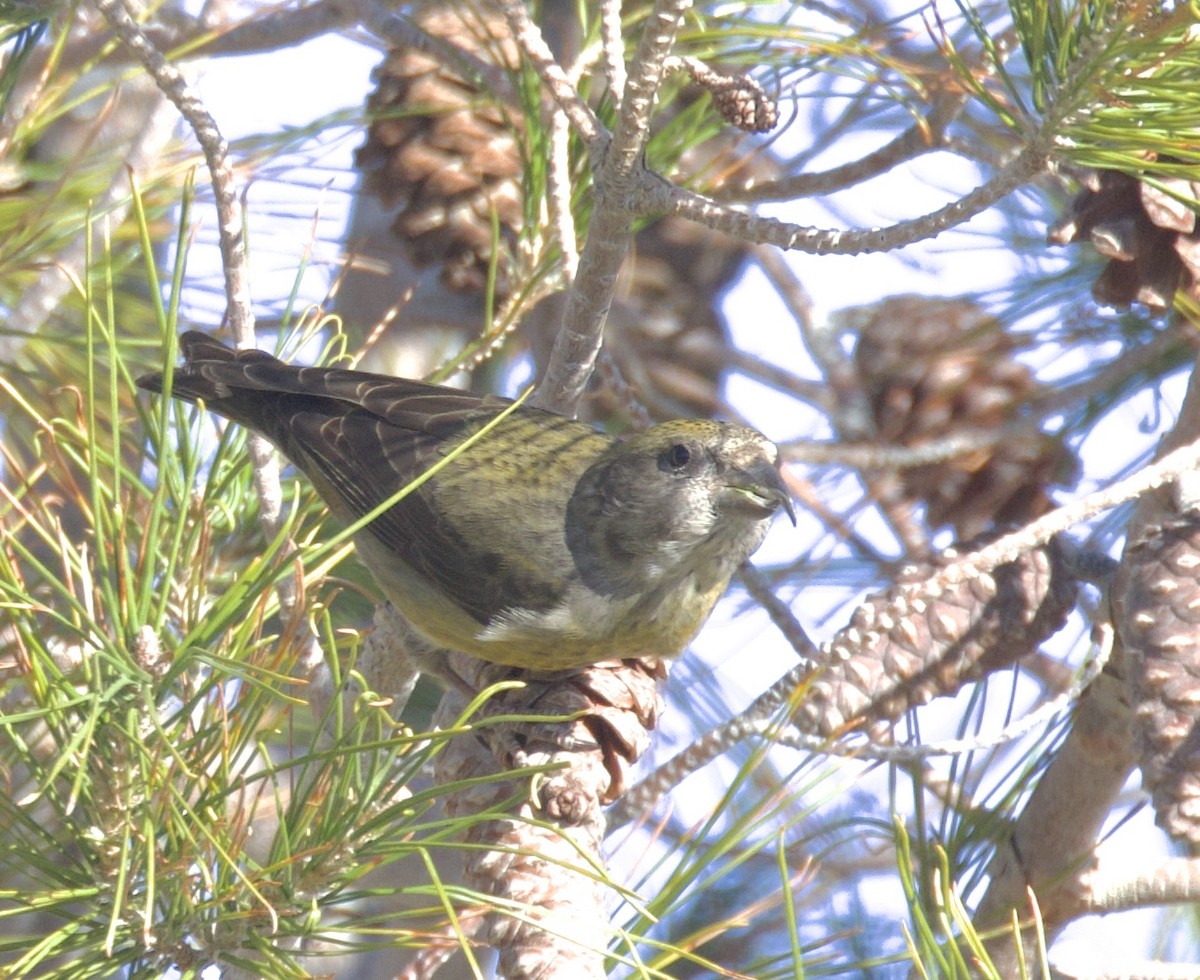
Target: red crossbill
[(545, 544)]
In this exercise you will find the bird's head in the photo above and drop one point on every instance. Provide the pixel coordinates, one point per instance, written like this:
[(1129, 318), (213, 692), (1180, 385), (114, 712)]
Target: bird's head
[(691, 497)]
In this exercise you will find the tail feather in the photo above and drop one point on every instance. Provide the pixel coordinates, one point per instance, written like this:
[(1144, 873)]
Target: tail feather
[(192, 382), (256, 389), (220, 377)]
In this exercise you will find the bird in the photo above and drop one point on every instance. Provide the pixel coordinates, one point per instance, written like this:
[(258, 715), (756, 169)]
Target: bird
[(544, 544)]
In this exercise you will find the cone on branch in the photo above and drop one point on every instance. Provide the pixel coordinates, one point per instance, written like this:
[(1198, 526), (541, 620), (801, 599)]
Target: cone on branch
[(538, 851), (443, 151), (938, 368), (445, 155), (665, 332), (1159, 617), (918, 640), (1148, 234)]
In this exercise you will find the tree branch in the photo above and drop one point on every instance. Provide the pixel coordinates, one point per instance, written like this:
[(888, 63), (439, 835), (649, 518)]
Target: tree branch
[(818, 241)]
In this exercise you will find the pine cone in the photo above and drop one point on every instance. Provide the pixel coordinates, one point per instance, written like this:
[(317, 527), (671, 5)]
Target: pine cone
[(908, 645), (613, 707), (665, 330), (934, 368), (1160, 613), (616, 706), (548, 903), (1149, 237), (443, 151)]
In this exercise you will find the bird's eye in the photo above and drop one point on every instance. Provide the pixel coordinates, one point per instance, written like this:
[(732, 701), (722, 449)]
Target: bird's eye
[(678, 456)]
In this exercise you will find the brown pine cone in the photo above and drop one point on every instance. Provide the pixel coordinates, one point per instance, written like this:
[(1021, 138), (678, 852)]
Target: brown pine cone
[(908, 645), (443, 151), (612, 707), (1149, 237), (934, 368), (665, 331), (1160, 626)]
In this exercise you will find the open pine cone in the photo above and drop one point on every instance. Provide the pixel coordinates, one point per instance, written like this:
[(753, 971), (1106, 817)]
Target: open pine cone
[(922, 639), (935, 368), (1149, 237), (1159, 596), (665, 331), (444, 152)]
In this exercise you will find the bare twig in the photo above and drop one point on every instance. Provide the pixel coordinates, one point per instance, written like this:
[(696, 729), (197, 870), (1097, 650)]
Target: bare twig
[(558, 193), (623, 159), (619, 172), (848, 407), (925, 136), (529, 38), (1171, 881), (787, 624), (216, 155), (398, 31), (586, 310), (822, 241), (277, 28), (613, 44)]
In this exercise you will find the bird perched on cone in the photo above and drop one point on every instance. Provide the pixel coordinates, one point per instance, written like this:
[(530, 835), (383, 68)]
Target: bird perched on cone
[(545, 544)]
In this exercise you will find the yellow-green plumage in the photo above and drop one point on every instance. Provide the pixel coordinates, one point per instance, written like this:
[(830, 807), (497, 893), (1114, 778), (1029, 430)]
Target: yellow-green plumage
[(546, 544)]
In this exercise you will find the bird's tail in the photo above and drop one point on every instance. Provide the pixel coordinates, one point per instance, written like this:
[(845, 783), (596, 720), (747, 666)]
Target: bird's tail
[(234, 383), (208, 368)]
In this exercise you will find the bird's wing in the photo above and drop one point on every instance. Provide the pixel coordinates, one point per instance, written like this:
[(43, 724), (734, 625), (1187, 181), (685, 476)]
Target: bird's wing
[(361, 437)]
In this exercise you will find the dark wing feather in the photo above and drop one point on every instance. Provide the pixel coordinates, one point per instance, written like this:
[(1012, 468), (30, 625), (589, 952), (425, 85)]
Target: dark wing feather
[(361, 437), (385, 459), (226, 380)]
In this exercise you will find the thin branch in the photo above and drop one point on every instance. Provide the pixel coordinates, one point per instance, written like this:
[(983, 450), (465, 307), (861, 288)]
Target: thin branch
[(613, 44), (641, 799), (229, 224), (585, 312), (662, 197), (398, 31), (276, 28), (529, 38), (623, 159), (787, 624), (919, 139), (188, 38), (925, 136), (847, 403), (719, 356), (558, 194), (619, 172), (1116, 887)]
